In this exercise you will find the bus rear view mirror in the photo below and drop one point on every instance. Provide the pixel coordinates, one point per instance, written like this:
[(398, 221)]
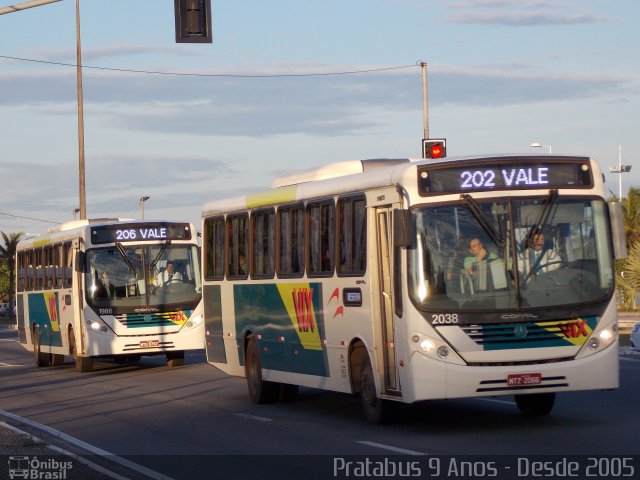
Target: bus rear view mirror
[(80, 260), (401, 228), (617, 230)]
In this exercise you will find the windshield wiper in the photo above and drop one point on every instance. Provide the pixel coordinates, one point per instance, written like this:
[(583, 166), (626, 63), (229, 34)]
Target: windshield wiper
[(474, 208), (125, 258), (544, 215), (155, 260)]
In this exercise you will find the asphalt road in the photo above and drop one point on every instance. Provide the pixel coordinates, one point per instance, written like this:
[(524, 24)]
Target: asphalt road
[(162, 417)]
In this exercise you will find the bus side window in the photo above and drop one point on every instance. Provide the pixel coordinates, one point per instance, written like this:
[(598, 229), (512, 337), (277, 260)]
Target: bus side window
[(264, 239), (68, 264), (352, 240), (31, 271), (322, 231), (48, 262), (213, 243), (237, 236), (22, 270), (291, 241)]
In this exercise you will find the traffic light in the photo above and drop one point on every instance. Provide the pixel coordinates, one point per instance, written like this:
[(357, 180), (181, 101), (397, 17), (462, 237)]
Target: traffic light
[(434, 148), (193, 21)]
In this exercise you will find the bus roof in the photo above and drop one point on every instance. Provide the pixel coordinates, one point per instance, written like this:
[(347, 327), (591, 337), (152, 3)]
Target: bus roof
[(342, 177)]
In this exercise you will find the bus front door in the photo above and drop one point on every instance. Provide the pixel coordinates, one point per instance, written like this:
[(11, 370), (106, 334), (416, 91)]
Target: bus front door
[(384, 238)]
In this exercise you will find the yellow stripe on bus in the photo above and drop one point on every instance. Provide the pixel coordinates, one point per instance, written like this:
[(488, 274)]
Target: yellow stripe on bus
[(280, 195)]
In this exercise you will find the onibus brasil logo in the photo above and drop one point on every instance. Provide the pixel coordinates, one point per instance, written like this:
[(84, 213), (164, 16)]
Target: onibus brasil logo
[(33, 468)]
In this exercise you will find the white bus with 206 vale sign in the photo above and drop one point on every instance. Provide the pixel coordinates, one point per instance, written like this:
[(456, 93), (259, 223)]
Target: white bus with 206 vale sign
[(406, 280), (110, 288)]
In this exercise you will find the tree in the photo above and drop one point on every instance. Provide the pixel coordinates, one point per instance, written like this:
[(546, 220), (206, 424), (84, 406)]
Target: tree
[(631, 212), (8, 254)]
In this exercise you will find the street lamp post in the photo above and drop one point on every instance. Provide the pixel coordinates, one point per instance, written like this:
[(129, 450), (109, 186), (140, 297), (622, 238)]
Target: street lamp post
[(24, 5), (620, 169), (37, 3), (539, 145), (142, 200)]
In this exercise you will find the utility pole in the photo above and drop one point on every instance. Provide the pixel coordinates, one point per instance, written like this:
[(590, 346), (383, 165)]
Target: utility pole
[(81, 182), (425, 101)]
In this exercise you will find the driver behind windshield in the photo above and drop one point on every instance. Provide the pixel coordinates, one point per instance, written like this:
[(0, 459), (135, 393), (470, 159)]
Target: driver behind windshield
[(168, 275), (539, 257)]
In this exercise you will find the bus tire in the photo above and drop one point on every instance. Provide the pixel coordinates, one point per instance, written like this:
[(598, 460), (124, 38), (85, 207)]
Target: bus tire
[(42, 359), (376, 410), (83, 364), (535, 404), (57, 359), (175, 359), (260, 391)]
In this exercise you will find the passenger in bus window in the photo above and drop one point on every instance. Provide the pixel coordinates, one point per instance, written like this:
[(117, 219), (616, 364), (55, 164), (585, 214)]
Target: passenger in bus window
[(478, 253), (168, 275), (539, 256)]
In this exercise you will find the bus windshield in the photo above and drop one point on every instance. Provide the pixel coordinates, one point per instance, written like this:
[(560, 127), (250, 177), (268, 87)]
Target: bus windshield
[(123, 276), (510, 253)]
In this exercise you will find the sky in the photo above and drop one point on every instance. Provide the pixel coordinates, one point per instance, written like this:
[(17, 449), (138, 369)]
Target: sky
[(276, 92)]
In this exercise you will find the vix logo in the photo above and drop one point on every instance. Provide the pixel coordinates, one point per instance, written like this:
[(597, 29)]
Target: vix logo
[(302, 299), (575, 329), (306, 319)]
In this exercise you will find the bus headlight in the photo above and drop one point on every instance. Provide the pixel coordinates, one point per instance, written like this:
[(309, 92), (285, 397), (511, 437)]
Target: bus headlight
[(194, 321), (605, 337), (427, 345), (97, 326)]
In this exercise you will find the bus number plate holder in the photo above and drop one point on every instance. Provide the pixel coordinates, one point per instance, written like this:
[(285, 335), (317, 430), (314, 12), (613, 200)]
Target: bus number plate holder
[(149, 343), (521, 379)]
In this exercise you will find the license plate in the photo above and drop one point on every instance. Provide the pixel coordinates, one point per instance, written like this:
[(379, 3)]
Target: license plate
[(149, 343), (517, 379)]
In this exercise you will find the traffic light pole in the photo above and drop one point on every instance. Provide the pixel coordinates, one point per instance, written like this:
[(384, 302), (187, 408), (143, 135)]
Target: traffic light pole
[(425, 101)]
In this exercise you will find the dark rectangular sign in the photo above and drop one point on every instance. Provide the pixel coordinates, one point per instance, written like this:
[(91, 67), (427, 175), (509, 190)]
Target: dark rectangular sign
[(132, 232), (505, 174)]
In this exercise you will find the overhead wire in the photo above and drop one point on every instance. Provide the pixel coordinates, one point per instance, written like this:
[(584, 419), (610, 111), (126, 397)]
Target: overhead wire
[(193, 74)]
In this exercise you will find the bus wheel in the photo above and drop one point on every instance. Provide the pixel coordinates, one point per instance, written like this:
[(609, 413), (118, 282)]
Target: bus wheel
[(376, 409), (535, 404), (83, 364), (260, 391), (42, 359), (57, 359), (175, 359)]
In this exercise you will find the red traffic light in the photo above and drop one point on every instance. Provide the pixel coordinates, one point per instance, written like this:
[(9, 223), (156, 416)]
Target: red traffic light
[(434, 148)]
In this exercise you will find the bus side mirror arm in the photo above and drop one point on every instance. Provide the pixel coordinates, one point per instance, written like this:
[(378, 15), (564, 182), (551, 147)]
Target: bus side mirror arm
[(401, 228)]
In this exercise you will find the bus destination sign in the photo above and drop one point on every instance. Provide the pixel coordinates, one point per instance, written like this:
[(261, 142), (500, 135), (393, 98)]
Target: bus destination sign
[(133, 232), (504, 175)]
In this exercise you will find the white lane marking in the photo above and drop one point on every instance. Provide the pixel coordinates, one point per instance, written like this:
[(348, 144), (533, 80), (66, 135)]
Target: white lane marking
[(254, 417), (630, 359), (504, 402), (90, 448), (2, 364), (390, 447)]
